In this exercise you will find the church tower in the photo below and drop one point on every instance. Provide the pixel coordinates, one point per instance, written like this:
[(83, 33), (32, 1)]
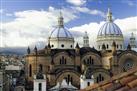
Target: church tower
[(133, 41), (40, 82), (85, 40)]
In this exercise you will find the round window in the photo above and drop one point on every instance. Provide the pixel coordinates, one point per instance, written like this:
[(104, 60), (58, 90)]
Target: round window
[(52, 45), (128, 64), (71, 46), (62, 45)]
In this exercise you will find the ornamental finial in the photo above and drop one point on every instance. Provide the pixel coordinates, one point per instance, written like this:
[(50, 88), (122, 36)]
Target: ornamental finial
[(60, 20), (109, 15)]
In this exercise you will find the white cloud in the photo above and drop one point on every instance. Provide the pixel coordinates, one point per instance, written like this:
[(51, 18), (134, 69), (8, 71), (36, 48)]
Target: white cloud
[(76, 2), (89, 11), (130, 2), (31, 26), (1, 11), (127, 26)]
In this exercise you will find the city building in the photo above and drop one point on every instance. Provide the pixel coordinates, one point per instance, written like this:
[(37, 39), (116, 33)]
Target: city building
[(4, 81), (61, 59)]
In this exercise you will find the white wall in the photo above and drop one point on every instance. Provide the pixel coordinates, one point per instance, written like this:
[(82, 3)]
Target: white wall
[(109, 40), (57, 42), (84, 82), (36, 84)]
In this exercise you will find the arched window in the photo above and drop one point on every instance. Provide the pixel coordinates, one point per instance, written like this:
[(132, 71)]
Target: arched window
[(68, 79), (121, 46), (99, 47), (65, 61), (99, 78), (92, 61), (88, 61), (40, 87), (30, 70), (60, 61), (117, 46), (88, 83), (71, 80), (107, 46)]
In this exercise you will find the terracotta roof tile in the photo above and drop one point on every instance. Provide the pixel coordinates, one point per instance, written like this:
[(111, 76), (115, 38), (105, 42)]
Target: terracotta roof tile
[(125, 88), (133, 84), (107, 86), (127, 79), (133, 89), (122, 82)]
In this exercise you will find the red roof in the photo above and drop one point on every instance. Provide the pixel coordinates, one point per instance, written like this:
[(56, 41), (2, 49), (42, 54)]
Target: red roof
[(126, 81)]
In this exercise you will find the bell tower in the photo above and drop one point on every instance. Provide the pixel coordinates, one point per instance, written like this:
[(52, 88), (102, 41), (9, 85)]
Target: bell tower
[(133, 41), (85, 40)]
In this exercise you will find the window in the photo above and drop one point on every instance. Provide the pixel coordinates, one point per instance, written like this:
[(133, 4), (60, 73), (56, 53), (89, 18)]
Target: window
[(52, 45), (62, 45), (68, 79), (60, 61), (63, 60), (40, 87), (117, 46), (107, 46), (30, 70), (92, 61), (88, 84), (71, 46), (121, 46), (99, 78), (87, 61), (128, 64), (71, 79)]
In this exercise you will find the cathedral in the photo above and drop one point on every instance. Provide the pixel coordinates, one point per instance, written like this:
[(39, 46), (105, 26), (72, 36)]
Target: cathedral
[(61, 61)]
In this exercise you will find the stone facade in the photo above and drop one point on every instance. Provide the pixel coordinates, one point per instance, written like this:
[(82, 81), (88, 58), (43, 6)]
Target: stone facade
[(71, 64)]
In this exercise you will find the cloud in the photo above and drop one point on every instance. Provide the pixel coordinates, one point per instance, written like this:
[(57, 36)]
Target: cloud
[(1, 11), (89, 11), (127, 26), (31, 26), (76, 2), (130, 2)]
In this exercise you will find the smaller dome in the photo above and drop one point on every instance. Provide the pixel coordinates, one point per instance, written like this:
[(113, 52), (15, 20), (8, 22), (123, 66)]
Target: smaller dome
[(60, 32)]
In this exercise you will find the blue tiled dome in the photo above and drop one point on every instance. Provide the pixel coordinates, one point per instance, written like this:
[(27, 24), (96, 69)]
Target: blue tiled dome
[(109, 28), (60, 32)]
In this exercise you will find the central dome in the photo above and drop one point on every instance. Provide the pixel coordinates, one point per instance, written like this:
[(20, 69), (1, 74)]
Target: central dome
[(60, 32), (108, 33)]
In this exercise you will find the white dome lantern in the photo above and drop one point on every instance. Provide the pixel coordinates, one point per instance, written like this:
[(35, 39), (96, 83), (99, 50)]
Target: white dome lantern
[(108, 33), (60, 37)]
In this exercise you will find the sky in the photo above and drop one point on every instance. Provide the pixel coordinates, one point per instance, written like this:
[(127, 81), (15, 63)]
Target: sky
[(29, 22)]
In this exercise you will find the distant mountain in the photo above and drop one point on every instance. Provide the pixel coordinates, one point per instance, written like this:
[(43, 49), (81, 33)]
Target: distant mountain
[(13, 50)]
